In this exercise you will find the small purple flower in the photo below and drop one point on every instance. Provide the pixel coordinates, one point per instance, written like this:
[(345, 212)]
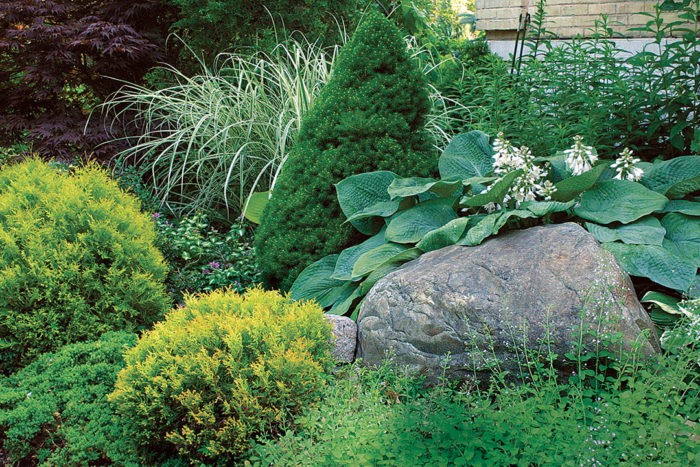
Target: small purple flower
[(237, 284), (227, 265), (156, 215), (215, 265), (206, 271)]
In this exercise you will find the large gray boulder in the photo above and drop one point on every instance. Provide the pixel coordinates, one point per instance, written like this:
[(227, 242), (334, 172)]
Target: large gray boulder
[(465, 309)]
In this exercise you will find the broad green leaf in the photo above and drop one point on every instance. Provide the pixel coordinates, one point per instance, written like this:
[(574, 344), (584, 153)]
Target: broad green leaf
[(315, 282), (542, 208), (674, 340), (483, 229), (495, 195), (618, 201), (411, 225), (359, 192), (690, 208), (663, 319), (571, 187), (683, 235), (349, 256), (468, 155), (255, 205), (507, 215), (404, 187), (557, 166), (663, 301), (646, 231), (389, 266), (674, 178), (475, 181), (694, 289), (341, 307), (374, 258), (446, 235), (380, 209), (655, 263)]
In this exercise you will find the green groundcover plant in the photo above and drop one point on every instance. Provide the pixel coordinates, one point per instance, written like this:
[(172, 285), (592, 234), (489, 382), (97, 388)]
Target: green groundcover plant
[(77, 259), (646, 214), (371, 115), (202, 257), (218, 372), (55, 410), (605, 412)]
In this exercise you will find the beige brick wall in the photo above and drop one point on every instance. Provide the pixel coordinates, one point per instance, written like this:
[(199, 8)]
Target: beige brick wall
[(566, 18)]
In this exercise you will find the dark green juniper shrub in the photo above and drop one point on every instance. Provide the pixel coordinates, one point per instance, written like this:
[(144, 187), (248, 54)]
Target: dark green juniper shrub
[(370, 116), (55, 411), (77, 259)]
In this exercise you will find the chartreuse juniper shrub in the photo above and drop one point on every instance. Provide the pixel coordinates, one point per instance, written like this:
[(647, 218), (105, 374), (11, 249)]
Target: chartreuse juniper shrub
[(77, 259), (646, 214), (220, 371), (370, 116)]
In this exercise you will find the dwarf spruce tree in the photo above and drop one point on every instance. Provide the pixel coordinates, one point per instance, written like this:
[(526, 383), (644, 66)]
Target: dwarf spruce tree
[(370, 116)]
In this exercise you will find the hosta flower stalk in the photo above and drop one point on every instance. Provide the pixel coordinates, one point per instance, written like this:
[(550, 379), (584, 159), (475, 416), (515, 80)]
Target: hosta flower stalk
[(624, 166), (580, 158)]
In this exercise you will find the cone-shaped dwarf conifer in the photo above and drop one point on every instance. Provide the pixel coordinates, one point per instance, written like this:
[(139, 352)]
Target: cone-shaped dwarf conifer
[(370, 116)]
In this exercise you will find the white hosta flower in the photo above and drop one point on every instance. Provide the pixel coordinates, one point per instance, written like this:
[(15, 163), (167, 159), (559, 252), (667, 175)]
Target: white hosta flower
[(624, 165), (529, 185), (580, 158)]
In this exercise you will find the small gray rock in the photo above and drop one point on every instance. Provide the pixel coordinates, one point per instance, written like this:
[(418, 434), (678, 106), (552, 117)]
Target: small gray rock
[(448, 307), (345, 342)]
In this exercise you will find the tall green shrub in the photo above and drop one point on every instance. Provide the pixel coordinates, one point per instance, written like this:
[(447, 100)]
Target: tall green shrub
[(370, 116), (77, 259)]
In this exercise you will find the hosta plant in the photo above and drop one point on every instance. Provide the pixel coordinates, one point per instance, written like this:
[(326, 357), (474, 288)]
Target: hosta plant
[(484, 189)]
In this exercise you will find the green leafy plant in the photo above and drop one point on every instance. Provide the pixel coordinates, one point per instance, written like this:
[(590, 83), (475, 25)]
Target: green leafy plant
[(55, 410), (201, 258), (371, 115), (484, 190), (606, 412), (77, 259), (592, 87), (220, 371)]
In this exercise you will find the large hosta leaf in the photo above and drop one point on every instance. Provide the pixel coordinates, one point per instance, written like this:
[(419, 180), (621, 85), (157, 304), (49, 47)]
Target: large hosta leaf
[(483, 229), (619, 201), (542, 208), (663, 301), (388, 266), (360, 192), (380, 209), (656, 263), (468, 155), (674, 178), (571, 187), (374, 258), (683, 236), (315, 282), (255, 205), (403, 187), (411, 225), (342, 305), (348, 257), (690, 208), (646, 231), (446, 235), (495, 195)]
